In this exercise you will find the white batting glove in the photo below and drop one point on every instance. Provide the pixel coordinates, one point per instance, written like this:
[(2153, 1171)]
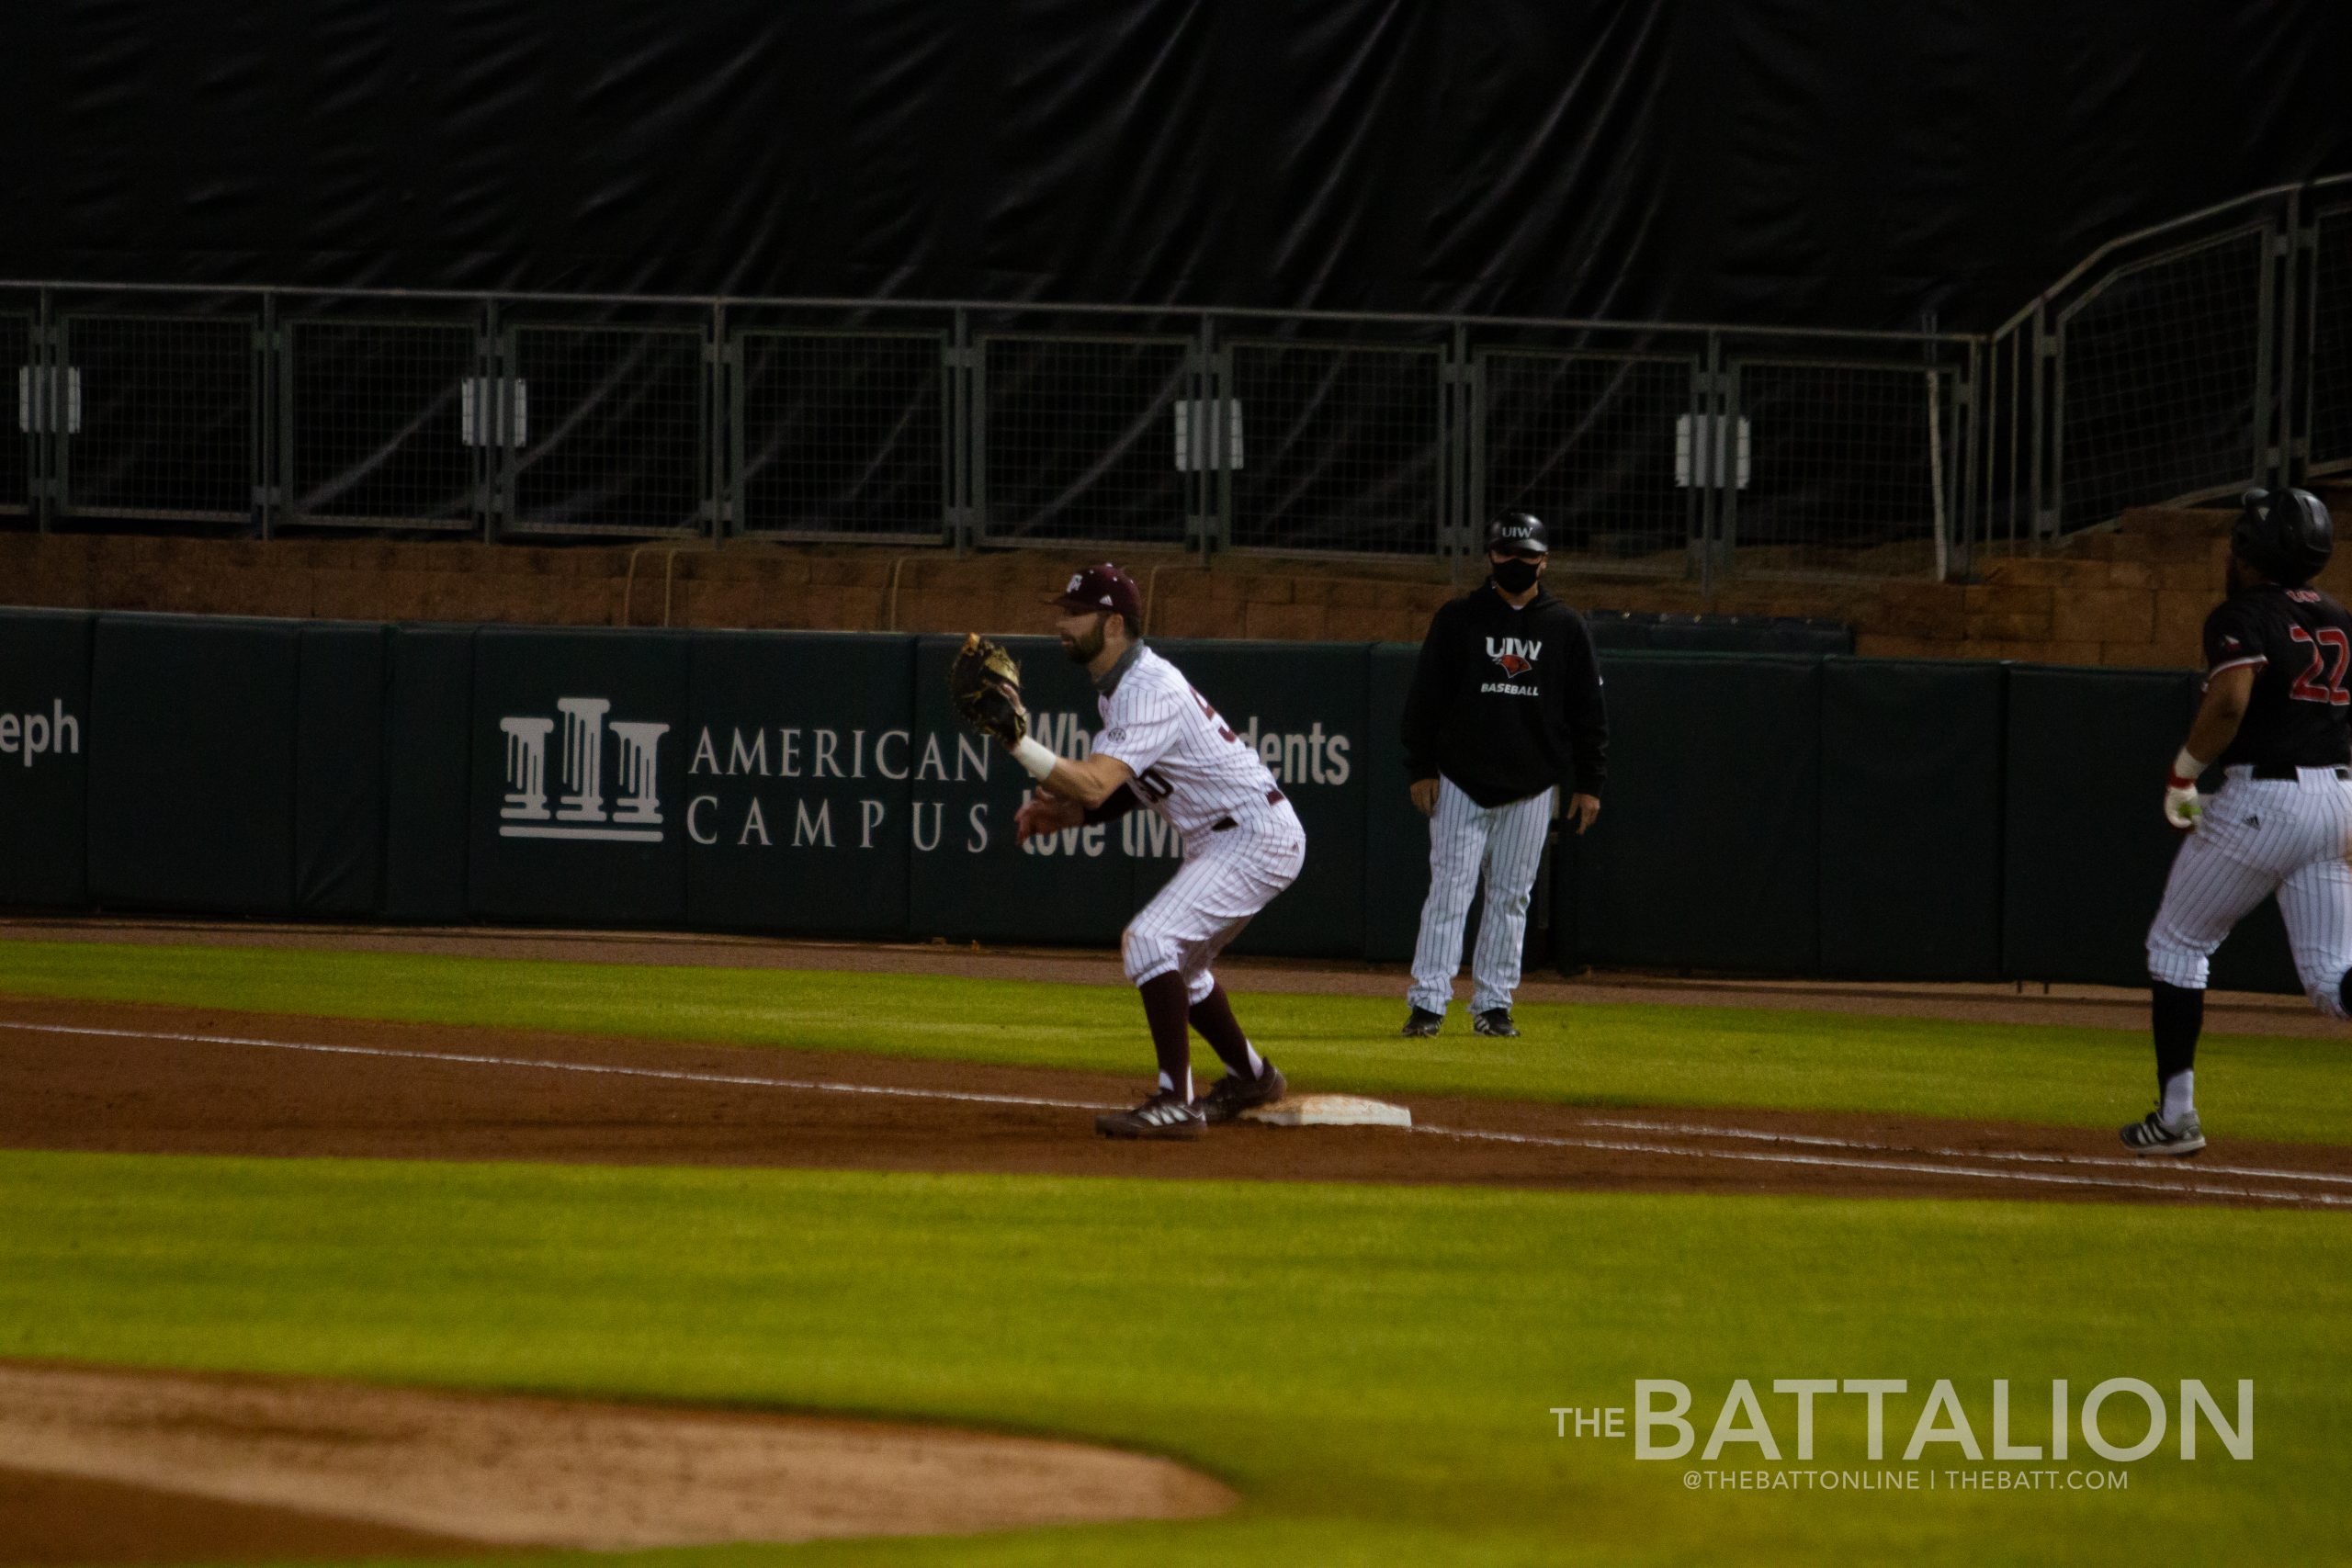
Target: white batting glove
[(2183, 806)]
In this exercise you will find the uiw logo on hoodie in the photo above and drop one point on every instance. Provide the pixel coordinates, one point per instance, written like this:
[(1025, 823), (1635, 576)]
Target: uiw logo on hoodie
[(1513, 656)]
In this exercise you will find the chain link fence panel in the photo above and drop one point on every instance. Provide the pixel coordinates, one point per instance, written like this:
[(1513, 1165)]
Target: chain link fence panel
[(1589, 443), (841, 434), (609, 427), (1078, 438), (2159, 375), (25, 389), (1335, 448), (2329, 419), (1839, 467), (373, 426), (161, 418)]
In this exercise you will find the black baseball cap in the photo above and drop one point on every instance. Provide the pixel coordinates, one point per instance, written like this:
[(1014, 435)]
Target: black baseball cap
[(1518, 533)]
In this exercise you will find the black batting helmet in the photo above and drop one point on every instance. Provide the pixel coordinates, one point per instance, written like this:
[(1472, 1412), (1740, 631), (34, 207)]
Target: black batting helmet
[(2283, 534)]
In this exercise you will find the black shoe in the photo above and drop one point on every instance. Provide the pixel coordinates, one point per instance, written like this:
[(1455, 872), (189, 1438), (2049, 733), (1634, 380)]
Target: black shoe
[(1422, 1024), (1496, 1022), (1232, 1094), (1166, 1114)]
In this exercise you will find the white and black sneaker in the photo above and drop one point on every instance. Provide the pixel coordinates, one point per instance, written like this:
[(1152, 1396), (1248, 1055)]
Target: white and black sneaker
[(1166, 1114), (2152, 1135), (1496, 1022)]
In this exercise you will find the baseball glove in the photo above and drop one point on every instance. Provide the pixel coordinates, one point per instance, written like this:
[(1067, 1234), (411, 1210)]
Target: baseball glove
[(984, 684)]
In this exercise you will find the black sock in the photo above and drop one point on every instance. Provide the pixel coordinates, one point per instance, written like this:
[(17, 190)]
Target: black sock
[(2175, 1014), (1163, 1005), (1213, 1016)]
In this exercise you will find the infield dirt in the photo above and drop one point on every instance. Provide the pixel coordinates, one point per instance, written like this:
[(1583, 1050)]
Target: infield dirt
[(113, 1465), (125, 1077)]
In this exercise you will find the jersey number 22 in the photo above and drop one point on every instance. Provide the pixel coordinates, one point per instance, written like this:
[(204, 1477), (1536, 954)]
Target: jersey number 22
[(2308, 686)]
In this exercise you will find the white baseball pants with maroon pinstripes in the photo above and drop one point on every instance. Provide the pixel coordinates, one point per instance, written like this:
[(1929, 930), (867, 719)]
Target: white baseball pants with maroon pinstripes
[(2256, 837), (1226, 879), (1465, 838)]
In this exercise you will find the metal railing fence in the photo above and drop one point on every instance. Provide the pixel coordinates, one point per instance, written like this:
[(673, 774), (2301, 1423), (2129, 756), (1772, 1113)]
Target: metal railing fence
[(2175, 364), (1659, 450)]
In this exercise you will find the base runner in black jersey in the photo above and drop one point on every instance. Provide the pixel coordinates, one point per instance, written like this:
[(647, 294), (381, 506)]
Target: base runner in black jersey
[(2276, 720)]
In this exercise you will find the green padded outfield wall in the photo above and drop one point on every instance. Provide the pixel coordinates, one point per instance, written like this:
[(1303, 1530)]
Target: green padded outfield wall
[(339, 769), (1911, 809), (1766, 815), (427, 772), (1707, 850), (192, 763), (798, 781), (44, 757), (1397, 837)]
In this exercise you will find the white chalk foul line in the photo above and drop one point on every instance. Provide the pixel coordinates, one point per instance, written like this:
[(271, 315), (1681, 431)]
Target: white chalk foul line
[(807, 1085), (2117, 1162), (1905, 1168), (967, 1097)]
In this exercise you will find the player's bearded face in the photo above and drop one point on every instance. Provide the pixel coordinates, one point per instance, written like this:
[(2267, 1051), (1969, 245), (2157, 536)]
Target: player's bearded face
[(1082, 648)]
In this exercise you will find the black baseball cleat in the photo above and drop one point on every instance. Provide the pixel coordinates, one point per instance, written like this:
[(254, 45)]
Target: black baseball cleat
[(1422, 1024), (1233, 1094), (1496, 1021), (2152, 1135), (1166, 1114)]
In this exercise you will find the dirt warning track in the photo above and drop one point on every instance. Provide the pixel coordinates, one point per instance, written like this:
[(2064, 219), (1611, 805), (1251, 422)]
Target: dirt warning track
[(155, 1079)]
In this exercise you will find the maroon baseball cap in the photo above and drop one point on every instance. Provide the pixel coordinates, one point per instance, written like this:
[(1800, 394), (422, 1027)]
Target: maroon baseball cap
[(1103, 587)]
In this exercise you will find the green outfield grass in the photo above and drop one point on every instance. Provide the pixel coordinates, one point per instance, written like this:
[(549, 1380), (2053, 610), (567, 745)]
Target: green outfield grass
[(1371, 1367), (1585, 1054)]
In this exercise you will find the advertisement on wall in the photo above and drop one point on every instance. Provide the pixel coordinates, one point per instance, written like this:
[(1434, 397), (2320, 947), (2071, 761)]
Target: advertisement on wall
[(44, 768)]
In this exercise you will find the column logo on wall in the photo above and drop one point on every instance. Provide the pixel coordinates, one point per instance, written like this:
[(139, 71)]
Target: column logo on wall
[(581, 807)]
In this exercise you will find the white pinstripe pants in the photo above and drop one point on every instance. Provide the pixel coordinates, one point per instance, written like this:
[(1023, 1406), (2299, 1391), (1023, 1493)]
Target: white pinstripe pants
[(1226, 879), (1465, 838), (2256, 837)]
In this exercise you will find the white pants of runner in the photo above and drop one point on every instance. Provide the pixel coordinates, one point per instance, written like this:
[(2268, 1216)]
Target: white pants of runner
[(2256, 837), (1227, 876), (1465, 838)]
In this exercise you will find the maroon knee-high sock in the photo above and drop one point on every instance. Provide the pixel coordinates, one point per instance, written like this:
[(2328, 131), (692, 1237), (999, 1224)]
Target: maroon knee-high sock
[(1213, 1016), (1163, 1005)]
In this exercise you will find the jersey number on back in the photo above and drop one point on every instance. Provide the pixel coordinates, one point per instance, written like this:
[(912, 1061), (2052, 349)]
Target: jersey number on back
[(2308, 686)]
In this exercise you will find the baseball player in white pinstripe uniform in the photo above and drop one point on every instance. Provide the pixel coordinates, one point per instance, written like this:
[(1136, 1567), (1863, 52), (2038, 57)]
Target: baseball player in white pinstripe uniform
[(2277, 719), (1164, 747), (1505, 707)]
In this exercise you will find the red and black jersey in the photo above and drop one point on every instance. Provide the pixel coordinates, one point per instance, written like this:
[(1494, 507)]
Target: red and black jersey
[(2300, 642)]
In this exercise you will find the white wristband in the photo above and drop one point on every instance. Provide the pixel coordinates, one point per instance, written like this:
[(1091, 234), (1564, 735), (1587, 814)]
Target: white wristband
[(2186, 766), (1035, 758)]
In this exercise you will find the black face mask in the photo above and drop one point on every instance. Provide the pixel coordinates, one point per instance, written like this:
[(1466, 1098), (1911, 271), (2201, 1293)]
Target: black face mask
[(1516, 575)]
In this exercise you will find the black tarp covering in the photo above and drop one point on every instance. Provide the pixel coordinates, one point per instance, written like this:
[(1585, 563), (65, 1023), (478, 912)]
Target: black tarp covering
[(1841, 162)]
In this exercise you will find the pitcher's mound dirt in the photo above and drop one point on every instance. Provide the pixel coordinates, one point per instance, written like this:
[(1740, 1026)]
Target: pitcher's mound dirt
[(109, 1465)]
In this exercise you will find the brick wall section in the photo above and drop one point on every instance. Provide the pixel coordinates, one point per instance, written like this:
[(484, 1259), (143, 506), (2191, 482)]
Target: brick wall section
[(2137, 594)]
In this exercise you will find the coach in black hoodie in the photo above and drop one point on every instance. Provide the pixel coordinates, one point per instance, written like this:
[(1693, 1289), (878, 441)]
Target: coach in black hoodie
[(1505, 709)]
